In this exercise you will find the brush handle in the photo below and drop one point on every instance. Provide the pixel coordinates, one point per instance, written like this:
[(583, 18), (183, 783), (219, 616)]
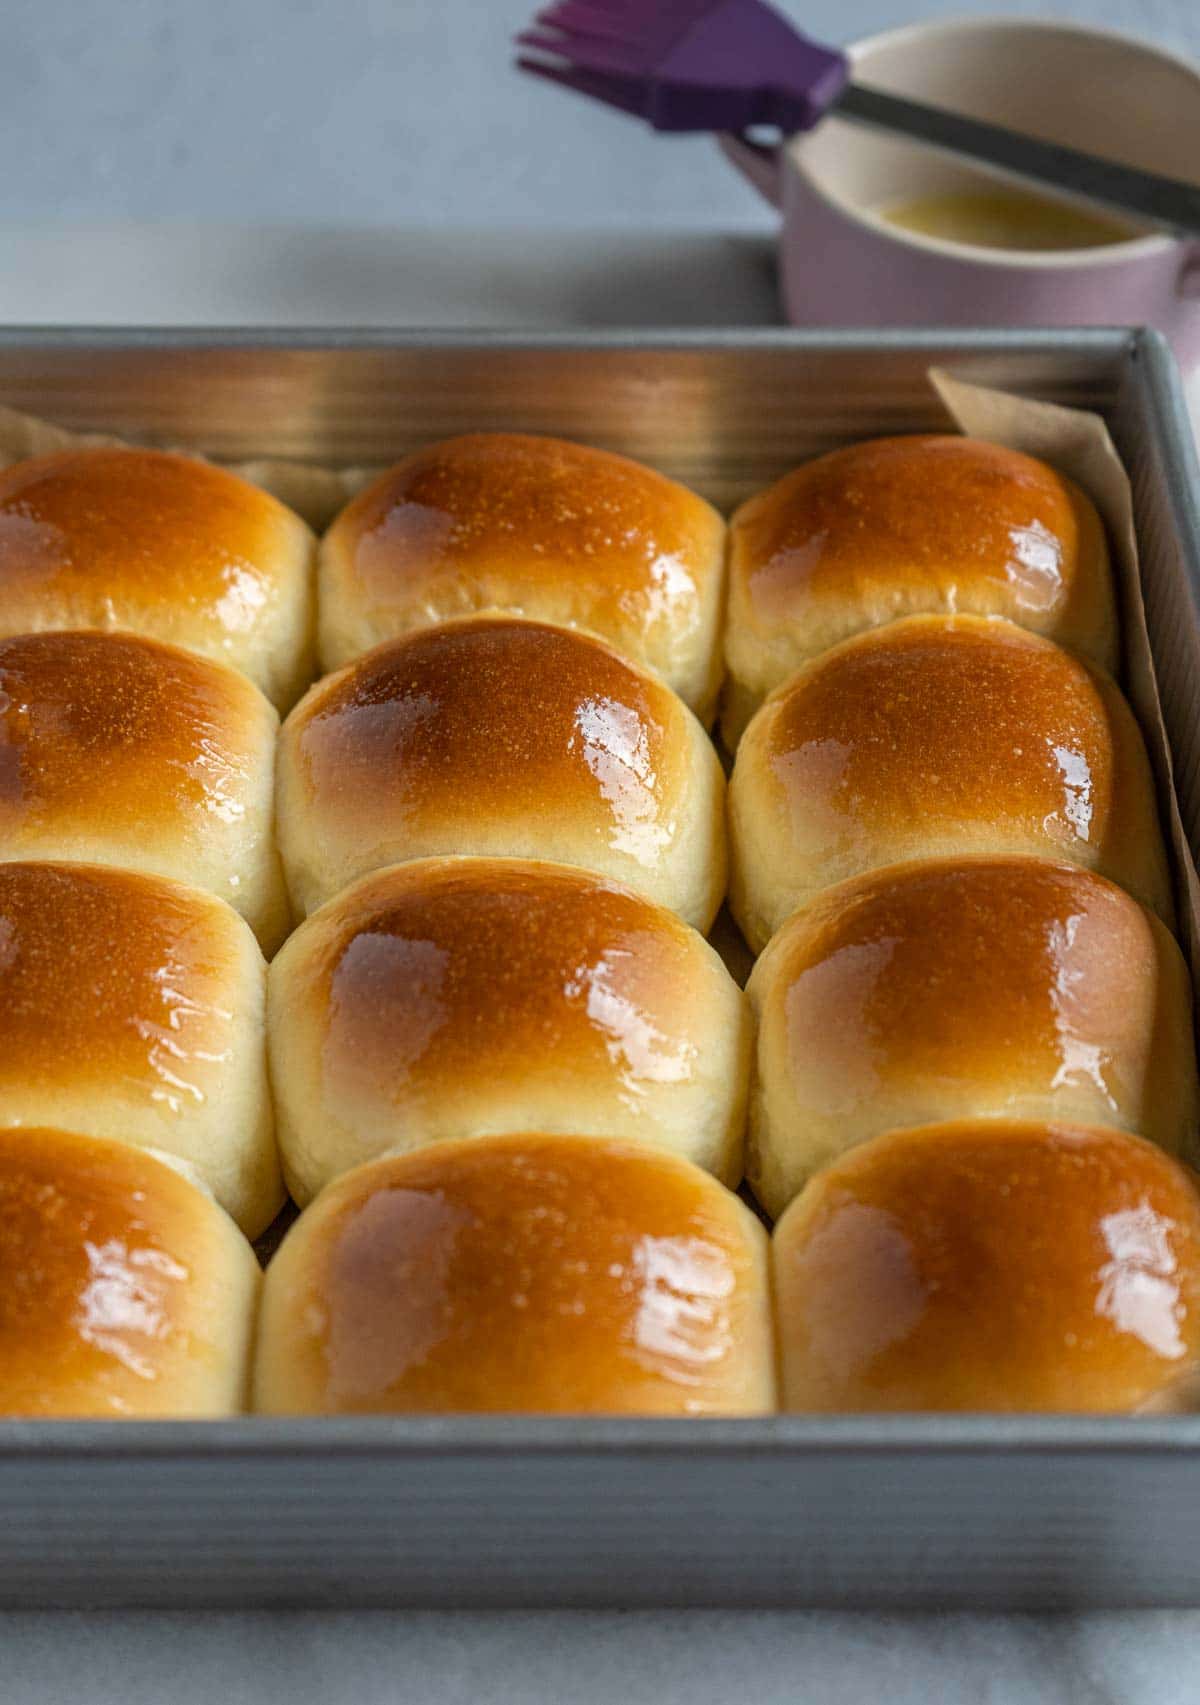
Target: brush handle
[(1145, 196)]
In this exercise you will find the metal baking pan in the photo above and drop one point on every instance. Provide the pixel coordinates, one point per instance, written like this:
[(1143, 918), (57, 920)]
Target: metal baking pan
[(910, 1511)]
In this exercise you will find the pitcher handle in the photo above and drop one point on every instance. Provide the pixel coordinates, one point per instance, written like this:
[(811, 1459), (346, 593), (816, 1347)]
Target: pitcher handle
[(1188, 282), (761, 164)]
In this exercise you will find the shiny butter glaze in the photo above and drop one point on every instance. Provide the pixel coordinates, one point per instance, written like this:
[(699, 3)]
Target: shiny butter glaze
[(106, 1289), (990, 1265), (936, 731), (525, 1273), (429, 974), (999, 982), (936, 523), (89, 537), (113, 980), (541, 506), (539, 527), (492, 720), (111, 732)]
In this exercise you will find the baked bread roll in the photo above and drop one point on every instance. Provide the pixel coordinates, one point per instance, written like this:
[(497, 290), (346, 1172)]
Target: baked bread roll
[(991, 1264), (539, 527), (500, 736), (125, 1292), (131, 1008), (473, 996), (523, 1273), (165, 545), (950, 988), (936, 736), (118, 750), (909, 526)]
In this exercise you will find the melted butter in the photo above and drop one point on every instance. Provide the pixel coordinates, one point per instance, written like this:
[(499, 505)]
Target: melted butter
[(616, 749), (121, 1308), (684, 1287), (1008, 219), (1139, 1283), (640, 1050)]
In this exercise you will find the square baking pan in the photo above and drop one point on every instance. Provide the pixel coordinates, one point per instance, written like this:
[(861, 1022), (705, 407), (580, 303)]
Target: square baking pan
[(907, 1511)]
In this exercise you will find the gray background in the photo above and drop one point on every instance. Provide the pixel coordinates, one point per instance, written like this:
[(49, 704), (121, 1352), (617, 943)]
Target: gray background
[(366, 111), (159, 163)]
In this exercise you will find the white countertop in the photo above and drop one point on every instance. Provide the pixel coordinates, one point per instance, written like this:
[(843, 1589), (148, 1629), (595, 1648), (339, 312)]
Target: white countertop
[(324, 134)]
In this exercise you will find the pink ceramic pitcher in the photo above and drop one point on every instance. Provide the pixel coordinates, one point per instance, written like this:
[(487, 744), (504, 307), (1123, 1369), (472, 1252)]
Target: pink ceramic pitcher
[(843, 264)]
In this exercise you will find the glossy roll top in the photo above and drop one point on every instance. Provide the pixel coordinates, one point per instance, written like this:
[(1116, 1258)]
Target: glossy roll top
[(910, 526), (165, 545), (539, 527), (936, 736), (119, 750), (131, 1008), (525, 1273), (951, 988), (991, 1265), (466, 997), (499, 736), (125, 1292)]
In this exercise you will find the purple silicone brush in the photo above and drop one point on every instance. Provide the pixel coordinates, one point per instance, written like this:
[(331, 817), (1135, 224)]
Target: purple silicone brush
[(730, 65)]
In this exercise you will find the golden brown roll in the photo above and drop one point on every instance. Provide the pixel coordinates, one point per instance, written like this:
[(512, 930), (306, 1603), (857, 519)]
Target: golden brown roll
[(524, 1273), (991, 1264), (539, 527), (951, 988), (499, 736), (132, 1008), (165, 545), (116, 749), (125, 1292), (473, 996), (938, 736), (909, 526)]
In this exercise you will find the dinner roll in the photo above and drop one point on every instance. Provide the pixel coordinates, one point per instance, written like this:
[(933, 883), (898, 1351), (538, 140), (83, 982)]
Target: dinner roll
[(501, 736), (124, 1290), (118, 750), (909, 526), (541, 527), (166, 545), (989, 1264), (132, 1008), (949, 988), (557, 1274), (938, 735), (465, 997)]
